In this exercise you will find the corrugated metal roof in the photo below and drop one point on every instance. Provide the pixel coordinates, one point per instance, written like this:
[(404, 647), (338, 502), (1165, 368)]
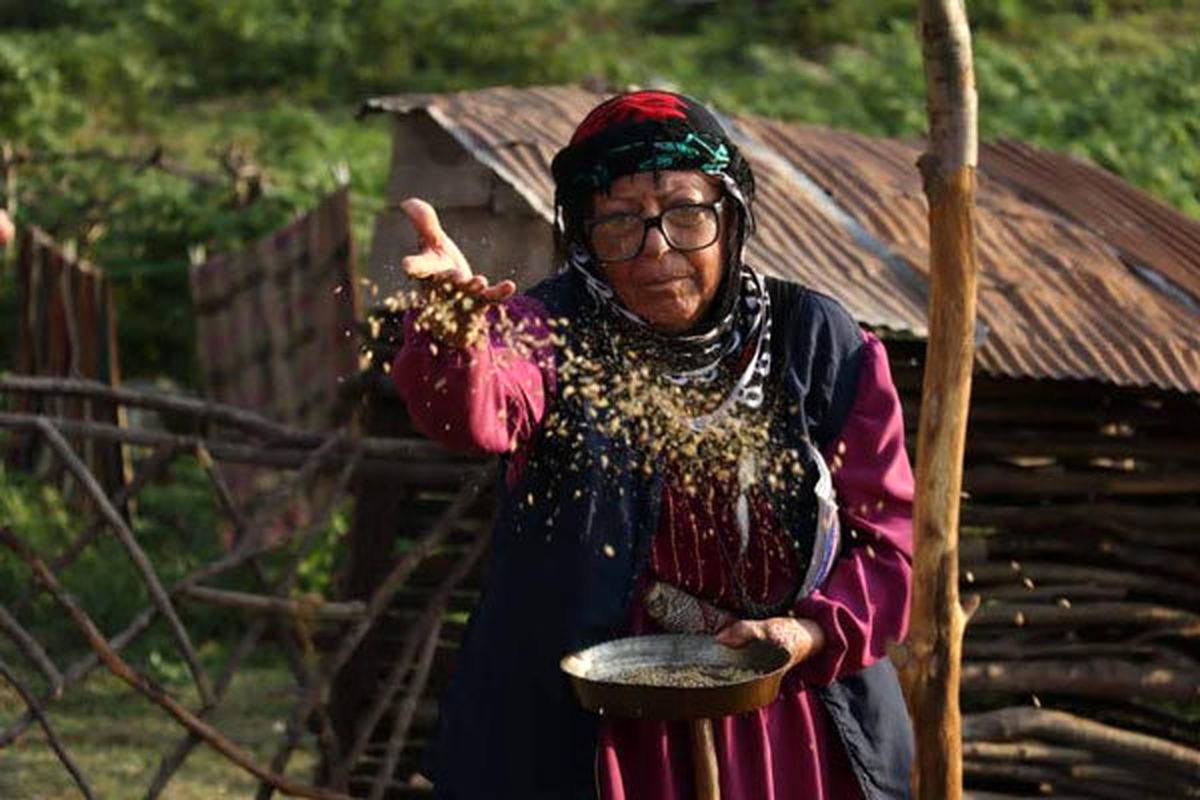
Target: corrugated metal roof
[(1081, 275)]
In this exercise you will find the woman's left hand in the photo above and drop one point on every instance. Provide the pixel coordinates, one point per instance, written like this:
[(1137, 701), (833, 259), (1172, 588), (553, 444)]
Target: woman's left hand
[(802, 638)]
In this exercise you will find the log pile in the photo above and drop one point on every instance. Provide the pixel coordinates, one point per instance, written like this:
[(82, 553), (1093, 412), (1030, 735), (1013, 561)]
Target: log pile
[(1081, 538)]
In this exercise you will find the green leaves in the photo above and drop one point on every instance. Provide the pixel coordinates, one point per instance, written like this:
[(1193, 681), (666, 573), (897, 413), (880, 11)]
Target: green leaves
[(276, 82)]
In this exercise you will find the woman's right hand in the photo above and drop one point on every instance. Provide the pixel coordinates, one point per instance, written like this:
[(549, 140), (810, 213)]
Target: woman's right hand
[(440, 263)]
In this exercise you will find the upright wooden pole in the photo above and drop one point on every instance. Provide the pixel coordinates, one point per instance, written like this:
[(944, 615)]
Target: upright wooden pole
[(948, 170)]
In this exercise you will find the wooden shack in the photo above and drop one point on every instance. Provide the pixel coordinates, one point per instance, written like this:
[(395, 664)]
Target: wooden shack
[(1082, 509)]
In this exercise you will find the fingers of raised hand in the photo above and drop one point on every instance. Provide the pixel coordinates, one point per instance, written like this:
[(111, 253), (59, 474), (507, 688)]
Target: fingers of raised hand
[(498, 293), (430, 264), (425, 221), (438, 253)]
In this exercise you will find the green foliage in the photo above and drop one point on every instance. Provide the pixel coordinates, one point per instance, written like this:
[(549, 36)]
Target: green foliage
[(176, 524), (316, 571)]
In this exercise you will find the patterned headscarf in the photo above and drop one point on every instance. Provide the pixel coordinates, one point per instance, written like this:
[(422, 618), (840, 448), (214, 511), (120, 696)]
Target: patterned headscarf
[(651, 131)]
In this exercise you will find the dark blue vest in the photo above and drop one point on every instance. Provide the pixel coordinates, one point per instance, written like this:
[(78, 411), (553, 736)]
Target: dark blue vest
[(568, 547)]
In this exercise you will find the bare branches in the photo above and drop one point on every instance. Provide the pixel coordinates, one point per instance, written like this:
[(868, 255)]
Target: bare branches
[(136, 554), (121, 669), (265, 604), (1010, 724), (55, 743), (32, 650), (382, 595), (429, 619)]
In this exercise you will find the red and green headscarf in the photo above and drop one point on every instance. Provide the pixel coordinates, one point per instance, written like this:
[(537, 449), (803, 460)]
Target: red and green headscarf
[(645, 131)]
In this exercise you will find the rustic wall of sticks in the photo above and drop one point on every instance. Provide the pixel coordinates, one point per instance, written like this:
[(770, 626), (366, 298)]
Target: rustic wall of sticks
[(1082, 663)]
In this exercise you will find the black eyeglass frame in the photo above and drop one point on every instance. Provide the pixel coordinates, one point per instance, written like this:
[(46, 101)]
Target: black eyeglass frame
[(656, 222)]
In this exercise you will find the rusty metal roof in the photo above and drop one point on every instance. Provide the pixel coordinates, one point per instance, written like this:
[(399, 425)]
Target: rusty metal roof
[(1081, 275)]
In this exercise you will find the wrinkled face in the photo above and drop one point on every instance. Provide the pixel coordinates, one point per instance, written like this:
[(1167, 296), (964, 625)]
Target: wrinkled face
[(669, 289)]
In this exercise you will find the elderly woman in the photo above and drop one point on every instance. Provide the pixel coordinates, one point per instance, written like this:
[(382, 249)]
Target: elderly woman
[(671, 424)]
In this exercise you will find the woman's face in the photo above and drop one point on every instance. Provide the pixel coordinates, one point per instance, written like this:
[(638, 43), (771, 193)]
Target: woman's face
[(669, 289)]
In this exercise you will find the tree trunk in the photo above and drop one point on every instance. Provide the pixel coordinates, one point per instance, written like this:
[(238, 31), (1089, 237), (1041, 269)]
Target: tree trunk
[(948, 169)]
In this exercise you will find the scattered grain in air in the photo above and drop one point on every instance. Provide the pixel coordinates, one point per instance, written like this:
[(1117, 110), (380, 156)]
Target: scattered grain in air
[(1019, 619), (609, 550), (338, 289), (1064, 602), (970, 576), (1028, 582), (1015, 566), (841, 448), (1037, 702)]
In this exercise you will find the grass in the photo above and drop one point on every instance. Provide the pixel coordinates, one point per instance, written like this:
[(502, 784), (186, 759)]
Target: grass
[(117, 738)]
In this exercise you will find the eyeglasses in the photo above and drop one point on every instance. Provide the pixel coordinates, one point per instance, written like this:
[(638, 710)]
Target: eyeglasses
[(620, 237)]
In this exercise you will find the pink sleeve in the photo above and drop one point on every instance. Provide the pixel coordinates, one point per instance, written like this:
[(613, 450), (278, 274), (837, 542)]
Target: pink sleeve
[(488, 398), (863, 605)]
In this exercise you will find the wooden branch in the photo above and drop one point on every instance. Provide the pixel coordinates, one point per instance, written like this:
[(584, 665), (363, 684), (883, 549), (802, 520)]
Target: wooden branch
[(1032, 752), (983, 575), (122, 670), (283, 494), (1096, 678), (991, 479), (382, 595), (1100, 614), (404, 714), (1048, 778), (434, 610), (1073, 592), (1083, 514), (1176, 565), (32, 650), (133, 549), (204, 411), (306, 537), (138, 625), (149, 470), (1071, 445), (931, 671), (412, 459), (208, 411), (80, 670), (179, 753), (55, 743), (980, 795), (1011, 648), (1008, 724), (287, 606)]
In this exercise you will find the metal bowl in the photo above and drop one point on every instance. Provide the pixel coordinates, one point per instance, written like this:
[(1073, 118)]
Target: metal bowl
[(594, 672)]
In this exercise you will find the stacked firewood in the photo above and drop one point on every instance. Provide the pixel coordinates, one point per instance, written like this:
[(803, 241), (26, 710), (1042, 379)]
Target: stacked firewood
[(1094, 611)]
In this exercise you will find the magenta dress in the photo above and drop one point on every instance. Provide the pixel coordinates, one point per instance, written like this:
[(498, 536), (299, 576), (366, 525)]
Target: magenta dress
[(490, 399)]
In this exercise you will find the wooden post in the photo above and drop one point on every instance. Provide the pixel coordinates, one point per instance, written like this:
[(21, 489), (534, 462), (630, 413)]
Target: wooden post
[(948, 170)]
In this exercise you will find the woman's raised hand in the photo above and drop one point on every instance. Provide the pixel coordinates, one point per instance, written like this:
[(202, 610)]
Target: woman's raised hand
[(440, 262)]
